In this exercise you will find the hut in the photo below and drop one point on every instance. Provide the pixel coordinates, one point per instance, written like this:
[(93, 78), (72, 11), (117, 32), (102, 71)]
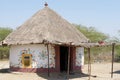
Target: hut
[(46, 41)]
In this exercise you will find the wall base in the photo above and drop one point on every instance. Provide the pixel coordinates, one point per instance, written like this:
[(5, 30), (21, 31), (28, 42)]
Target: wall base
[(33, 70), (42, 70)]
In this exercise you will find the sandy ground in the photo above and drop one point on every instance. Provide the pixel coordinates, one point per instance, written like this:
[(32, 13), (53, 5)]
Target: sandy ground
[(100, 71)]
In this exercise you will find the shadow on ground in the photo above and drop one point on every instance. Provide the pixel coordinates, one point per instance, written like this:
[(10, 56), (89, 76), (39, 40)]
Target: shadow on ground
[(62, 76), (5, 70), (117, 72)]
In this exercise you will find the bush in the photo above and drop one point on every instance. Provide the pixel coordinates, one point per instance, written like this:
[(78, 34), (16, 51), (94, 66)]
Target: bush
[(4, 53), (117, 55)]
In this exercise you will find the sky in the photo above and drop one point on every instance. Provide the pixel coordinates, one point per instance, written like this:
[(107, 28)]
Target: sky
[(104, 15)]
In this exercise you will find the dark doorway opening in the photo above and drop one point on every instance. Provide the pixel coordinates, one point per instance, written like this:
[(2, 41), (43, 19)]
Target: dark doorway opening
[(63, 58)]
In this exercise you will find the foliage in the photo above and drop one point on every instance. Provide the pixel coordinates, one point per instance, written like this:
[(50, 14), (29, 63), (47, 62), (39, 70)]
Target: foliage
[(97, 53), (4, 32), (117, 48), (4, 51), (92, 33)]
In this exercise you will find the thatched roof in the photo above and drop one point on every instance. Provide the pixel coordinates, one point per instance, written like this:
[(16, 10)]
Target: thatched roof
[(90, 45), (105, 44), (45, 25)]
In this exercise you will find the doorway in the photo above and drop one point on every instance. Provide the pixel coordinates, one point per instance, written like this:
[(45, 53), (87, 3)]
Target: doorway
[(63, 58)]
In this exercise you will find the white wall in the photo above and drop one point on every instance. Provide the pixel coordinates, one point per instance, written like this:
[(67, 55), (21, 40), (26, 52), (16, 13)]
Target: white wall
[(39, 55), (79, 56)]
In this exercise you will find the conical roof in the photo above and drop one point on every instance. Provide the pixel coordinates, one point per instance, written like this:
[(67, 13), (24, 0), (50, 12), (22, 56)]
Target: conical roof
[(45, 25)]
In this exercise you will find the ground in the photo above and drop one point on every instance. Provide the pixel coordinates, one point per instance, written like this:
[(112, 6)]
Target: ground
[(100, 71)]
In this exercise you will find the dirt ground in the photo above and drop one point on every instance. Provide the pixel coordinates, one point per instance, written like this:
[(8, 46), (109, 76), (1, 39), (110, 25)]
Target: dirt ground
[(100, 71)]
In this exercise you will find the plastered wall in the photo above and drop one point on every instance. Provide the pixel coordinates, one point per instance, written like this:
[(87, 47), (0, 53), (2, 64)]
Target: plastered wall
[(39, 55)]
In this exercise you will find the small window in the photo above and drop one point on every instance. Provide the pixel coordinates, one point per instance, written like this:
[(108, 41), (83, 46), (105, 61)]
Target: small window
[(26, 60), (26, 57)]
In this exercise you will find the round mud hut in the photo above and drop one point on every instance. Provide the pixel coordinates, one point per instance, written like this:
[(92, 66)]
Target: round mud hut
[(46, 42)]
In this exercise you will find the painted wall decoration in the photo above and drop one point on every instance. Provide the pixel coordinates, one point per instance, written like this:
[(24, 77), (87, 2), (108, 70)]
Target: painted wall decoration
[(79, 56), (39, 56)]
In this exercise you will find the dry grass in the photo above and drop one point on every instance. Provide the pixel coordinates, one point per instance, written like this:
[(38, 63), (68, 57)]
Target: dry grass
[(47, 25)]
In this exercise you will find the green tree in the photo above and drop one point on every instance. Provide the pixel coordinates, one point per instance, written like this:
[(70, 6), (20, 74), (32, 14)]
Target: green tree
[(4, 51), (94, 35), (4, 32), (91, 33), (117, 48)]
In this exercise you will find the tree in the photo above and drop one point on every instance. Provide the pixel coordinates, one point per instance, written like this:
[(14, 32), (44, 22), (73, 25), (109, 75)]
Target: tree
[(92, 33), (117, 48), (4, 51), (4, 32)]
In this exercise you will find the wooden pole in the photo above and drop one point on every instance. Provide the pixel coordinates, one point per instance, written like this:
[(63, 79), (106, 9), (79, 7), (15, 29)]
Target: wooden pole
[(68, 69), (48, 60), (113, 48), (88, 60), (89, 63)]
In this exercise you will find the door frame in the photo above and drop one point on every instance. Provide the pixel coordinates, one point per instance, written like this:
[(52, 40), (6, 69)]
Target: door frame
[(72, 59)]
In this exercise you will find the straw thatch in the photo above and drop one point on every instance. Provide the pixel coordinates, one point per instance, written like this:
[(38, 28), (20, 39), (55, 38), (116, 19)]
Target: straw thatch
[(106, 44), (46, 25)]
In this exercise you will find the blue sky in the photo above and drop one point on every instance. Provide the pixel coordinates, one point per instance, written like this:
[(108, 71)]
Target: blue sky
[(104, 15)]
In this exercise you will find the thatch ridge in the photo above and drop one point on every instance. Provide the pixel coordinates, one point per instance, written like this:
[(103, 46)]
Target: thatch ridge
[(45, 25)]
